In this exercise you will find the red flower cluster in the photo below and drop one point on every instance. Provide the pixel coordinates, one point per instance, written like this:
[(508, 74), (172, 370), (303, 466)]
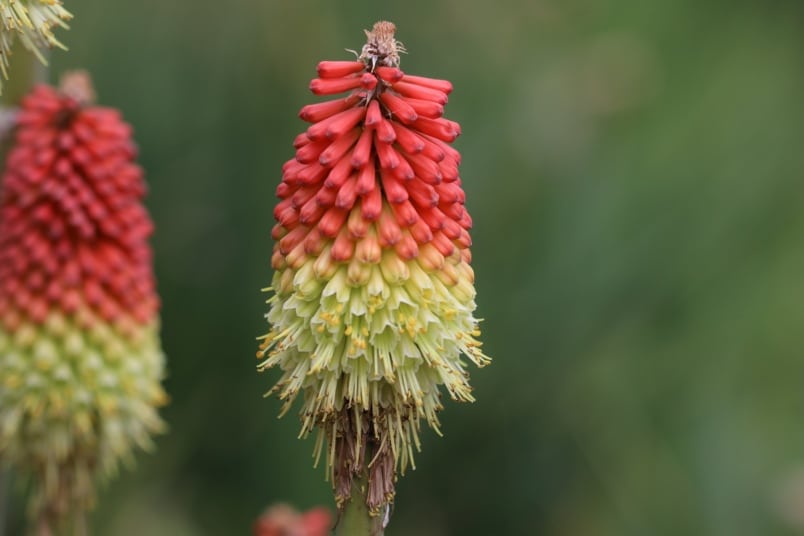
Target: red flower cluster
[(72, 227), (385, 150)]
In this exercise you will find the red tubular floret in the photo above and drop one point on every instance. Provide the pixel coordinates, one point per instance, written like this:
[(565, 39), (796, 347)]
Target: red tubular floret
[(339, 69), (465, 240), (407, 248), (425, 169), (388, 229), (426, 108), (395, 192), (301, 140), (432, 217), (438, 128), (366, 179), (331, 86), (449, 169), (448, 192), (405, 213), (346, 123), (290, 240), (282, 191), (319, 111), (312, 211), (347, 194), (385, 131), (460, 193), (338, 175), (362, 151), (358, 227), (281, 208), (326, 196), (415, 91), (373, 114), (444, 147), (452, 229), (421, 232), (372, 205), (389, 74), (389, 158), (314, 242), (408, 140), (422, 194), (368, 81), (338, 148), (399, 107), (336, 124), (466, 220), (312, 174), (403, 171), (309, 153), (332, 221), (452, 210), (432, 150), (343, 248), (444, 86), (443, 244), (455, 126), (302, 195)]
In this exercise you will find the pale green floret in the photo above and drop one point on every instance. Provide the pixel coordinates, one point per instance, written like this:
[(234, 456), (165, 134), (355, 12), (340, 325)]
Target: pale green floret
[(73, 404), (383, 347)]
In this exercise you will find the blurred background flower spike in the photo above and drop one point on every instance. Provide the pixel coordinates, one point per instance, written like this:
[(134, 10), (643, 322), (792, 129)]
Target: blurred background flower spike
[(80, 356)]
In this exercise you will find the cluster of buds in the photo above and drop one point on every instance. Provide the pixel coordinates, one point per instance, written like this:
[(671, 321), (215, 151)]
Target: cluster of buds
[(80, 357), (373, 295), (32, 22)]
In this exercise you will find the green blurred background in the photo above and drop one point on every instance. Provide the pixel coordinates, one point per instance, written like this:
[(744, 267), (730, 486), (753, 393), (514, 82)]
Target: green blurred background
[(635, 172)]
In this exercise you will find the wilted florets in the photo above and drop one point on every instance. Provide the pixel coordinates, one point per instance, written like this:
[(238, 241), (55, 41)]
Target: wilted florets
[(80, 359), (373, 292)]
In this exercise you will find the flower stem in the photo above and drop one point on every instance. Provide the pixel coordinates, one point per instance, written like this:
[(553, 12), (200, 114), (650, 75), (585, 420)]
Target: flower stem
[(355, 517), (4, 502)]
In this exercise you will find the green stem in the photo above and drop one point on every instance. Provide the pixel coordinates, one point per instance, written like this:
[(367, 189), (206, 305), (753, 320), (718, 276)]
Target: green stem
[(3, 500), (355, 517)]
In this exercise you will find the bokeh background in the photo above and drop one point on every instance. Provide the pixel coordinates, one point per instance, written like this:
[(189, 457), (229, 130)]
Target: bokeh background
[(635, 171)]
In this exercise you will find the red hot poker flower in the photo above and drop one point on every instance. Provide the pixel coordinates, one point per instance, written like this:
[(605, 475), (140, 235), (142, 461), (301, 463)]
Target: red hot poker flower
[(80, 359), (373, 292)]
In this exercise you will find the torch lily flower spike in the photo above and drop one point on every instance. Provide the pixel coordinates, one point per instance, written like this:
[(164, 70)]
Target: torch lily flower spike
[(80, 358), (373, 295)]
